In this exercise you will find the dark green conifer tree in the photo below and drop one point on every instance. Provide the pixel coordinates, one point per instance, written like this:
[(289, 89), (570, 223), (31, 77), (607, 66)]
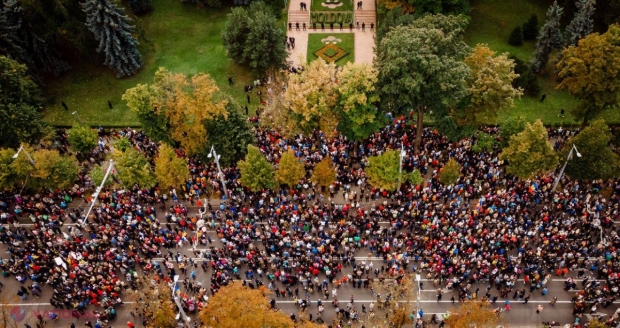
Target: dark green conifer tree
[(113, 30)]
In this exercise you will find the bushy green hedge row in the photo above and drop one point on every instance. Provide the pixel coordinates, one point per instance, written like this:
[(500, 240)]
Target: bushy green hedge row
[(331, 17)]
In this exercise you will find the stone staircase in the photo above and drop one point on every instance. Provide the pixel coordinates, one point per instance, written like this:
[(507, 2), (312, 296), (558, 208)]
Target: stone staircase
[(300, 16), (365, 16)]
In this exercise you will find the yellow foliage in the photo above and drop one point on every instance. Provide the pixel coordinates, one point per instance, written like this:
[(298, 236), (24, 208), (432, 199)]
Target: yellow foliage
[(490, 84), (237, 306), (473, 314), (312, 95), (186, 112), (391, 4), (170, 170), (324, 173), (290, 169)]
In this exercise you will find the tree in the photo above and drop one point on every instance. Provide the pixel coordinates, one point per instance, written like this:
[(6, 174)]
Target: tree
[(252, 38), (236, 305), (114, 32), (525, 80), (582, 24), (357, 110), (530, 28), (473, 314), (140, 6), (311, 97), (10, 314), (52, 170), (396, 16), (509, 127), (133, 168), (383, 171), (19, 105), (416, 178), (324, 173), (529, 152), (97, 173), (490, 85), (608, 12), (421, 66), (485, 142), (153, 295), (598, 160), (234, 134), (256, 172), (82, 138), (11, 42), (450, 173), (290, 169), (187, 113), (516, 37), (440, 6), (175, 110), (9, 176), (170, 169), (590, 72), (550, 38)]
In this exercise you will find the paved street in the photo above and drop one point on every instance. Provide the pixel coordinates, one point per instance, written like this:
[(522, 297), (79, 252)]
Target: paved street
[(520, 315)]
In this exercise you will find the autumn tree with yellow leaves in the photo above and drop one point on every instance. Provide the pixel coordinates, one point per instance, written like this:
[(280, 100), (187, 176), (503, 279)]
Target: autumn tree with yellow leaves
[(590, 72), (235, 306), (324, 173), (170, 169), (312, 95), (473, 314), (175, 108), (153, 296), (490, 85), (290, 169)]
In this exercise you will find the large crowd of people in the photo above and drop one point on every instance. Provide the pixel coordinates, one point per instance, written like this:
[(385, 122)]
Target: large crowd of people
[(487, 229)]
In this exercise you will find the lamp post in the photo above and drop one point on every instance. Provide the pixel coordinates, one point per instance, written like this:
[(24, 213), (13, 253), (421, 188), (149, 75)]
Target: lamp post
[(177, 301), (216, 157), (568, 158), (402, 155), (78, 116), (98, 190), (418, 277), (25, 151)]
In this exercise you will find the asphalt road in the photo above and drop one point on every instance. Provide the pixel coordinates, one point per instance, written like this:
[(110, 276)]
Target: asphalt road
[(520, 315)]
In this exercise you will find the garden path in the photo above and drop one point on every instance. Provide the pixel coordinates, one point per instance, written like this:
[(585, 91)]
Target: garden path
[(364, 40)]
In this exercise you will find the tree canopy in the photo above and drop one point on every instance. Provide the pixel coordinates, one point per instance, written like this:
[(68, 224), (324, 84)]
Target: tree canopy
[(256, 172), (82, 138), (170, 169), (290, 169), (529, 152), (490, 85), (53, 170), (549, 38), (598, 160), (421, 66), (473, 314), (19, 105), (236, 306), (252, 38), (450, 173), (174, 109), (133, 168), (383, 171), (324, 173), (590, 72)]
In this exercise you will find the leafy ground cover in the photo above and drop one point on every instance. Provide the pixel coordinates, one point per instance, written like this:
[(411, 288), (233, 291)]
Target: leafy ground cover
[(182, 39), (347, 44)]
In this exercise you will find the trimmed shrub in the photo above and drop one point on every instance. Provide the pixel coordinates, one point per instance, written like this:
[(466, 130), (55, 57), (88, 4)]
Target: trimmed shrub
[(530, 28), (321, 18), (516, 37)]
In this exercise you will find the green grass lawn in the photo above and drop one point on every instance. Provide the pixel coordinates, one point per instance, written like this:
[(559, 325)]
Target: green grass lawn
[(346, 5), (348, 44), (185, 39), (492, 22)]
